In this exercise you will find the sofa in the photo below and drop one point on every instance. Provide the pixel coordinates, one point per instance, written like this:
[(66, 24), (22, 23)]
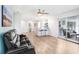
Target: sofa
[(15, 44)]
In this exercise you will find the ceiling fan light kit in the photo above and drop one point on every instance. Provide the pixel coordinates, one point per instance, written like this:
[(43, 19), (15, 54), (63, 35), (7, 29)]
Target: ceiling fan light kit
[(41, 12)]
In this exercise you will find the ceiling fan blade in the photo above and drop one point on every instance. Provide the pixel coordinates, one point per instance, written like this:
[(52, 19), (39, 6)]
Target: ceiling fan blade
[(39, 10), (45, 13)]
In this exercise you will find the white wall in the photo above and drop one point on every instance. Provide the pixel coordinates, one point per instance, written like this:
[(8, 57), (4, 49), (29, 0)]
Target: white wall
[(17, 18), (21, 22), (18, 23), (53, 26)]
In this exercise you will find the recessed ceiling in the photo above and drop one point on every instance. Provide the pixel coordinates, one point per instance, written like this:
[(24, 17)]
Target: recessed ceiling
[(51, 9)]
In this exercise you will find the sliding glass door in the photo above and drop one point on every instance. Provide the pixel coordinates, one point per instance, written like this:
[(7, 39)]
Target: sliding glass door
[(69, 28)]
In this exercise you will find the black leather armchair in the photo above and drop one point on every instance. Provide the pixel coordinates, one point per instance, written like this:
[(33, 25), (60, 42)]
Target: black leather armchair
[(14, 45)]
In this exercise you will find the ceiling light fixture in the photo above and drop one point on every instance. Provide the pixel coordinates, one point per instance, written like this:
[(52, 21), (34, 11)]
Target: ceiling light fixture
[(41, 12)]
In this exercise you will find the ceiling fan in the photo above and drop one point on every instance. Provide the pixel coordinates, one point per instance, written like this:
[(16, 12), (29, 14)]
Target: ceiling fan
[(41, 12)]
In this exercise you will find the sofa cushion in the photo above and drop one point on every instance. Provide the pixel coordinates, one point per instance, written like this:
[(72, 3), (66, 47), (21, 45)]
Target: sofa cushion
[(13, 34), (16, 40)]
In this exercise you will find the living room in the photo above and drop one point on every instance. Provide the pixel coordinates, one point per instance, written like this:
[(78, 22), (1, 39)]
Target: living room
[(47, 29)]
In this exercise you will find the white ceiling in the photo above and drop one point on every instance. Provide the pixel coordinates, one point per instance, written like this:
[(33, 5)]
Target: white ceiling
[(51, 9)]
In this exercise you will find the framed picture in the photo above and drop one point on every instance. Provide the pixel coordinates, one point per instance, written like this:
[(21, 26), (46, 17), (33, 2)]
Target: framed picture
[(6, 17)]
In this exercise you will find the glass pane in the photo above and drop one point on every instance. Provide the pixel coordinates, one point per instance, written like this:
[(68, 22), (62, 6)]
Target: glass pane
[(62, 28), (71, 29)]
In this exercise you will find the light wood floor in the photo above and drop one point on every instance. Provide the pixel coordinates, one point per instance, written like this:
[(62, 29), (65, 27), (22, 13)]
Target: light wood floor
[(52, 45)]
